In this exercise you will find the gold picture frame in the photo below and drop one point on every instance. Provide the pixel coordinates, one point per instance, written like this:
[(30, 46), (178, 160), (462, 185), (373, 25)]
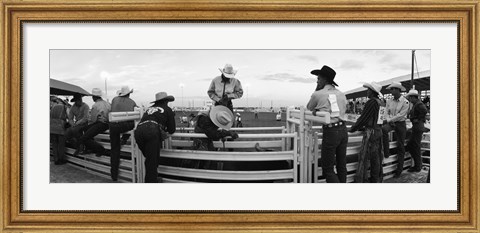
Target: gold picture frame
[(14, 12)]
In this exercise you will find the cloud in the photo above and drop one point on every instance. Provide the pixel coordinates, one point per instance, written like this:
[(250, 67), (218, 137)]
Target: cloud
[(351, 64), (401, 66), (286, 77), (309, 58)]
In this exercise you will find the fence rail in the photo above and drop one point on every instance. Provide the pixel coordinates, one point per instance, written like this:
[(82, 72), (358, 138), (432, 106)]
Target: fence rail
[(298, 144)]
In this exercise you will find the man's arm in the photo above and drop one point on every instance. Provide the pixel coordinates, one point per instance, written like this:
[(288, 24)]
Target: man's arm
[(402, 113), (70, 117), (84, 119), (211, 92), (171, 122), (368, 112), (237, 91), (318, 103)]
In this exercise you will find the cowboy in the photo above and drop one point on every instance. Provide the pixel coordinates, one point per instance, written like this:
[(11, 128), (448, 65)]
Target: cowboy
[(58, 121), (151, 131), (77, 118), (395, 116), (370, 123), (417, 116), (238, 120), (215, 124), (226, 87), (327, 98), (120, 103), (97, 123)]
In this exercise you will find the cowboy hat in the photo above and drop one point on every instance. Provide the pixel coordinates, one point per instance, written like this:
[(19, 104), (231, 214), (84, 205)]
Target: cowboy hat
[(412, 92), (163, 96), (76, 97), (124, 91), (222, 117), (327, 73), (396, 85), (97, 92), (228, 71), (374, 87)]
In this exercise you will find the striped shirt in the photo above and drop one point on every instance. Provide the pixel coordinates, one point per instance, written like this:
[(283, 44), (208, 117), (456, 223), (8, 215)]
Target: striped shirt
[(369, 116)]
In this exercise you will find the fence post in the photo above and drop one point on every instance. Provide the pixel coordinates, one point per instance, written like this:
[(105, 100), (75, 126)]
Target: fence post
[(311, 151), (303, 157), (295, 160), (315, 158)]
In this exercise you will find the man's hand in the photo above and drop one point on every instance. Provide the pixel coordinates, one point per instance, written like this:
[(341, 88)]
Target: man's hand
[(234, 135)]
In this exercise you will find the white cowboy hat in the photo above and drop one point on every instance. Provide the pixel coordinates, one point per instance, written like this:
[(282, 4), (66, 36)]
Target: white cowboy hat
[(222, 117), (228, 71), (412, 92), (97, 92), (396, 85), (163, 96), (374, 87), (124, 91)]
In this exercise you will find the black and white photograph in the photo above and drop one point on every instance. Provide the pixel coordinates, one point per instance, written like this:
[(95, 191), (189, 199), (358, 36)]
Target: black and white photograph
[(240, 115)]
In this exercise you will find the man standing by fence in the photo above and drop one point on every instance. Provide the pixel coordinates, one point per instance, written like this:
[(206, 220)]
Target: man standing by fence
[(58, 122), (121, 103), (151, 131), (327, 98), (417, 116), (371, 149), (395, 116), (226, 87)]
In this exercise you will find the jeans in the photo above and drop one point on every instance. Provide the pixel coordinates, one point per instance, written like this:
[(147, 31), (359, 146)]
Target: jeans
[(117, 128), (58, 147), (400, 134), (148, 139), (370, 155), (415, 143), (74, 132), (229, 104), (91, 131), (334, 153)]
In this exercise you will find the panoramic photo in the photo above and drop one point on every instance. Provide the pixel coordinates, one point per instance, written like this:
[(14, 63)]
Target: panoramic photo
[(240, 116)]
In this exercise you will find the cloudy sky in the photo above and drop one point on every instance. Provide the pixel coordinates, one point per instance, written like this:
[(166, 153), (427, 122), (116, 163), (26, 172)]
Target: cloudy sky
[(278, 77)]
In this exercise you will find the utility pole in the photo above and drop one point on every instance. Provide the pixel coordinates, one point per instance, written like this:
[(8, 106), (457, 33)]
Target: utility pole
[(413, 65)]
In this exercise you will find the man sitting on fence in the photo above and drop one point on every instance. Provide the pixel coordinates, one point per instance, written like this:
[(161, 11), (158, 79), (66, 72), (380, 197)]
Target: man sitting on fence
[(97, 123), (371, 150), (77, 118), (215, 124), (121, 103), (327, 98)]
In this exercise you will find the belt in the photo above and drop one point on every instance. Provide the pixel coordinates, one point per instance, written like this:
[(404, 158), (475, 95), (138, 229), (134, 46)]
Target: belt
[(148, 121), (340, 123)]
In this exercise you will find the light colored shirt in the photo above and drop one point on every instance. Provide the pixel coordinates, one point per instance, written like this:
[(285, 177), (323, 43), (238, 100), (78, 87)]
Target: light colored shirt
[(78, 115), (330, 100), (233, 89), (123, 104), (397, 110), (100, 110)]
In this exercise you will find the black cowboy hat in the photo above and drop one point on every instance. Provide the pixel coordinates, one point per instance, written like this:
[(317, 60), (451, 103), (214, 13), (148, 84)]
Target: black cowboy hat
[(327, 73), (76, 97)]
